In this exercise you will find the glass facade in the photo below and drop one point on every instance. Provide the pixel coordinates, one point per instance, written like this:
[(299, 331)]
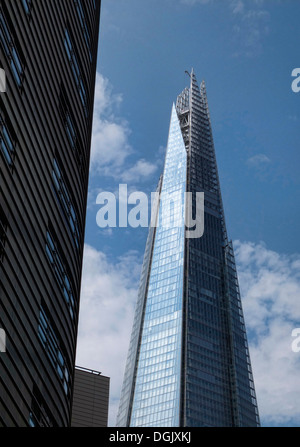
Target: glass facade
[(52, 346), (157, 388), (75, 68), (188, 362), (63, 197)]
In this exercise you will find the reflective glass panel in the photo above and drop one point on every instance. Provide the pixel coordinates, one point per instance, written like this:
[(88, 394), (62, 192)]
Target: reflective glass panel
[(157, 388)]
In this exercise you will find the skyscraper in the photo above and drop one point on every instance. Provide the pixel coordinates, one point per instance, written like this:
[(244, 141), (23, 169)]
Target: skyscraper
[(188, 363), (48, 50)]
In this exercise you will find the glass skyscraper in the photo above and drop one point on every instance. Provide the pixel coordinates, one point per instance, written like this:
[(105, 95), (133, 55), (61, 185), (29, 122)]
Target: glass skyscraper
[(188, 363)]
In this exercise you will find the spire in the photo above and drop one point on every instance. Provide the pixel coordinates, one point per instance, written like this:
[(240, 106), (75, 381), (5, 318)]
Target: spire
[(194, 84)]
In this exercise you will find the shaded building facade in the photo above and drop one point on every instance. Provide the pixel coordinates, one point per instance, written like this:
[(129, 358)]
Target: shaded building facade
[(188, 363), (48, 50), (90, 399)]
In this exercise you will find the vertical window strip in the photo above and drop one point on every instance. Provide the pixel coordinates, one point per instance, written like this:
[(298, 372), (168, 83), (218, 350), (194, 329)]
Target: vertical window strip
[(39, 412), (10, 50), (60, 273), (75, 69), (7, 143), (3, 227), (27, 6), (66, 203), (67, 118), (70, 130), (52, 347), (32, 421), (84, 26)]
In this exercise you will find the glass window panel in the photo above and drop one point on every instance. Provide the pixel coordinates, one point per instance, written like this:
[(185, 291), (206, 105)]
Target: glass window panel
[(52, 347), (61, 276), (162, 330), (66, 204)]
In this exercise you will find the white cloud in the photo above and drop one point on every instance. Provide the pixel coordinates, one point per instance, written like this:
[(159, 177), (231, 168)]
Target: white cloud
[(251, 26), (237, 6), (141, 169), (270, 286), (110, 138), (110, 145), (258, 160), (108, 296), (105, 100)]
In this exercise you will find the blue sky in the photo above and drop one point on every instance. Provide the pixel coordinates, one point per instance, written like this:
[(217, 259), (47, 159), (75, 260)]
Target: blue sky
[(246, 51)]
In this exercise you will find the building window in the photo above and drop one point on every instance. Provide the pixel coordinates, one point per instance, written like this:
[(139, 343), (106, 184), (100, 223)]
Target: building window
[(75, 69), (10, 50), (3, 227), (7, 143), (40, 415), (67, 117), (27, 6), (32, 421), (52, 347), (83, 23), (70, 130), (60, 273), (64, 199)]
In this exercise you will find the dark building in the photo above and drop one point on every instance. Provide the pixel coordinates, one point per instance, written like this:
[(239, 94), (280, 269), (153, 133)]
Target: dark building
[(90, 399), (48, 50), (188, 363)]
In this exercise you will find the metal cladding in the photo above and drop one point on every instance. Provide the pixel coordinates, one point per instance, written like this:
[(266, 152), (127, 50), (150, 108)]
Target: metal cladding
[(48, 50)]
